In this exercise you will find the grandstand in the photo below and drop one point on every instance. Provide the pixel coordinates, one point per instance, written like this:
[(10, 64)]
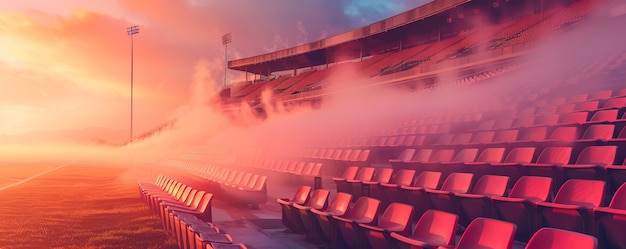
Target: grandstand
[(460, 124)]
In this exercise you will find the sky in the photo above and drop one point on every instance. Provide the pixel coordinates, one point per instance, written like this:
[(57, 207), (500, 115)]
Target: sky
[(65, 64)]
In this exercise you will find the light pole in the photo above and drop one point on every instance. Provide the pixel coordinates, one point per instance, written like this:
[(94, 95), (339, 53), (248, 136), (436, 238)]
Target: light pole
[(132, 30), (226, 39)]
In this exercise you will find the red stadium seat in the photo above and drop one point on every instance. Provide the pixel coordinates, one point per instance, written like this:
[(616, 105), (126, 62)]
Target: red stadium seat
[(458, 163), (324, 229), (434, 228), (512, 163), (364, 211), (301, 221), (573, 118), (519, 206), (454, 183), (598, 133), (506, 136), (478, 203), (396, 218), (572, 206), (300, 197), (552, 238), (609, 222), (590, 105), (414, 194), (390, 192), (487, 157), (363, 188), (352, 186), (604, 116), (487, 233), (342, 182), (617, 102), (591, 163), (547, 162)]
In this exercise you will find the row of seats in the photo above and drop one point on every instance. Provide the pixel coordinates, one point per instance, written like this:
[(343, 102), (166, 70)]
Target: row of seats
[(341, 225), (529, 116), (559, 163), (185, 212), (228, 184), (294, 172), (528, 204)]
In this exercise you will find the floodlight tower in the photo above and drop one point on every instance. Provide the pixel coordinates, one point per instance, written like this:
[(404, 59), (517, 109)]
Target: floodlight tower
[(226, 39), (132, 30)]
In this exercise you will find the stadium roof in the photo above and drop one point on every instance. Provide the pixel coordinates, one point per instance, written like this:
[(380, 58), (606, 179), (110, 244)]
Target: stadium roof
[(347, 45)]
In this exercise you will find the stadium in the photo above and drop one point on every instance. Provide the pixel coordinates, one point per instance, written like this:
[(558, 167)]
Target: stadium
[(456, 124)]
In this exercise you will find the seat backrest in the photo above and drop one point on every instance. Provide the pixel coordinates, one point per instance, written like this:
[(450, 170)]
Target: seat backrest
[(619, 198), (554, 238), (534, 134), (520, 155), (566, 108), (590, 105), (504, 123), (436, 228), (244, 180), (444, 155), (491, 185), (339, 204), (364, 210), (615, 103), (573, 118), (381, 175), (350, 172), (600, 131), (462, 138), (406, 155), (191, 197), (483, 137), (605, 115), (506, 136), (602, 155), (252, 182), (524, 121), (403, 177), (397, 217), (365, 174), (569, 133), (488, 233), (578, 97), (555, 155), (603, 94), (491, 155), (363, 156), (547, 119), (319, 199), (586, 193), (259, 184), (534, 188), (299, 168), (466, 155), (422, 155), (486, 125), (458, 182), (308, 168), (316, 170), (302, 195), (427, 179), (445, 139)]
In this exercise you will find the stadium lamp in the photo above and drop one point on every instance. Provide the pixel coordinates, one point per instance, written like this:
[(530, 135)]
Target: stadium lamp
[(132, 30), (226, 39)]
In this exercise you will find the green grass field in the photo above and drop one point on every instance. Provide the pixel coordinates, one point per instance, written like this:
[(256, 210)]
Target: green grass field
[(77, 206)]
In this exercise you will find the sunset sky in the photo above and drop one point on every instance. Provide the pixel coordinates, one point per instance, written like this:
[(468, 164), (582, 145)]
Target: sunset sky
[(66, 64)]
